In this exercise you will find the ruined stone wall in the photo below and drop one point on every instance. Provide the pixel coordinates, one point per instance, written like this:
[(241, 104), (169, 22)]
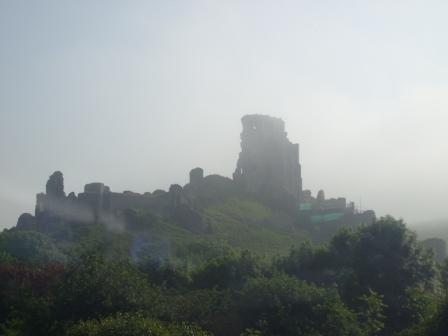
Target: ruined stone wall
[(122, 201), (96, 198), (97, 202), (101, 200), (268, 162)]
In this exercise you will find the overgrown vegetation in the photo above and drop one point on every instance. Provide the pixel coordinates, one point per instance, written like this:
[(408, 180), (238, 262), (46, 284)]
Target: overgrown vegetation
[(373, 280)]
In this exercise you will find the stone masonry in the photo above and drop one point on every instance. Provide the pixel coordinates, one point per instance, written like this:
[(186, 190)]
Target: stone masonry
[(268, 164)]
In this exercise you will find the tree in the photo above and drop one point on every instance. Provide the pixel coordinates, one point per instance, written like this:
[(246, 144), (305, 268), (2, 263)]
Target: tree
[(371, 313), (131, 325), (286, 306), (388, 259), (230, 271), (384, 257), (94, 286), (30, 246), (26, 293)]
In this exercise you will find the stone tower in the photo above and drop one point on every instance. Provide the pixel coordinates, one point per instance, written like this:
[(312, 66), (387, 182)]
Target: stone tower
[(268, 164), (55, 185)]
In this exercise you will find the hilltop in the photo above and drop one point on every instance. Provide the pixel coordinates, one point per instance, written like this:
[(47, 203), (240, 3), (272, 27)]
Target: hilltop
[(262, 208)]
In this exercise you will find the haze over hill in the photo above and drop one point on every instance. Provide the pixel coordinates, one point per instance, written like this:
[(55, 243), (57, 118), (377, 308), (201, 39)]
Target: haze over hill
[(223, 168), (139, 94), (435, 228)]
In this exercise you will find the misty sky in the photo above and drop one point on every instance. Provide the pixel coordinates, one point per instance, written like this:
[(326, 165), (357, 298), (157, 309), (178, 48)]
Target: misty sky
[(136, 93)]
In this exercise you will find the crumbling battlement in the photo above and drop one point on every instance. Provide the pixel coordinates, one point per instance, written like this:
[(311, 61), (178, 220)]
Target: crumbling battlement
[(97, 203), (307, 202)]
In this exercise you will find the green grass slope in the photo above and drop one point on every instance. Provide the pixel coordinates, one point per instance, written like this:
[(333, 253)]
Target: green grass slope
[(235, 223), (248, 224)]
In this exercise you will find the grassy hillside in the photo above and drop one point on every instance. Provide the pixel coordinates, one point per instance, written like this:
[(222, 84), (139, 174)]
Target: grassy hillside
[(248, 224), (235, 223)]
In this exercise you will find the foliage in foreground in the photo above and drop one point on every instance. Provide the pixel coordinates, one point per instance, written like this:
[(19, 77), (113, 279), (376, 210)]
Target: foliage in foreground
[(376, 280), (130, 325)]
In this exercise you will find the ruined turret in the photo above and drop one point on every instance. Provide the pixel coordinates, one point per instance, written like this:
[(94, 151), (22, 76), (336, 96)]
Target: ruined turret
[(320, 196), (54, 197), (55, 185), (196, 176), (268, 164), (175, 194)]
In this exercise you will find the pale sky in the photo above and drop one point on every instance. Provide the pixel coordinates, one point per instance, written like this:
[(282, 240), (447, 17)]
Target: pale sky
[(136, 93)]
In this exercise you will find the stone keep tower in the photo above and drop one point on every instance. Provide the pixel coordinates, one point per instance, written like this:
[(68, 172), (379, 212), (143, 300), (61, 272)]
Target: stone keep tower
[(268, 163)]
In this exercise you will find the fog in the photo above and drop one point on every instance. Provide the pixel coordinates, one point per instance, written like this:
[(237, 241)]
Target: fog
[(136, 93)]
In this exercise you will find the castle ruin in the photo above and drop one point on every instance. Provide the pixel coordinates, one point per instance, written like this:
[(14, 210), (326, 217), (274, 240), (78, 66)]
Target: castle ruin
[(268, 169)]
